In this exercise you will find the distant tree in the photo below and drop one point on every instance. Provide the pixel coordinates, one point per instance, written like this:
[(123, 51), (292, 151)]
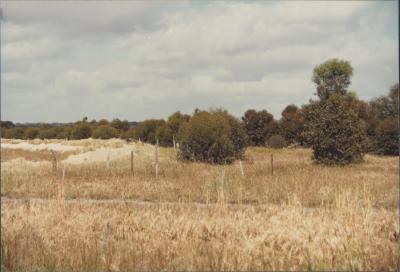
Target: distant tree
[(14, 133), (146, 130), (129, 134), (176, 120), (64, 132), (6, 124), (31, 133), (102, 122), (164, 135), (47, 133), (105, 132), (81, 131), (291, 124), (333, 76), (214, 137), (384, 123), (259, 125)]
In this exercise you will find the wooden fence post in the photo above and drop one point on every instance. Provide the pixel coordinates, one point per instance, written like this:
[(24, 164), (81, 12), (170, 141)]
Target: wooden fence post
[(272, 164), (53, 162), (63, 172), (132, 162), (241, 168), (156, 155), (223, 185), (173, 141), (108, 161)]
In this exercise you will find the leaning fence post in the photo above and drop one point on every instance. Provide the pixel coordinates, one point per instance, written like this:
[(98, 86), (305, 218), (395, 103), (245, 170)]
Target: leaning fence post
[(156, 155), (241, 168), (272, 164), (53, 162), (132, 163)]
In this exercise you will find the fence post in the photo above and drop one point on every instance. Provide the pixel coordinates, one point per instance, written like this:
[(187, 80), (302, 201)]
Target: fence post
[(223, 185), (53, 162), (63, 172), (132, 163), (173, 141), (241, 168), (108, 160), (156, 155), (272, 164)]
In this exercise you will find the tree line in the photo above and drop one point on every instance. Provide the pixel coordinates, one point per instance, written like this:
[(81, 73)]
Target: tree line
[(337, 125)]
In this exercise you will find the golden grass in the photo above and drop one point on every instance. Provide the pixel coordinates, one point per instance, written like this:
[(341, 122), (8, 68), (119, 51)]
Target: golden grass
[(305, 216), (122, 237)]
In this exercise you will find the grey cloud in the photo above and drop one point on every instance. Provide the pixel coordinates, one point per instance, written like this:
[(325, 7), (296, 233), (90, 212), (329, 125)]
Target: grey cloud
[(135, 60)]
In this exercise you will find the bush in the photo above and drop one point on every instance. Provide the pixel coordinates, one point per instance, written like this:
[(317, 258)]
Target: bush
[(213, 137), (105, 132), (14, 133), (129, 134), (81, 131), (164, 135), (48, 133), (277, 141), (334, 131)]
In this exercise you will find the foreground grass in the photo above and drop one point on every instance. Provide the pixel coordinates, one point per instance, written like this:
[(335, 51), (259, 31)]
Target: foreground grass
[(311, 218), (93, 237)]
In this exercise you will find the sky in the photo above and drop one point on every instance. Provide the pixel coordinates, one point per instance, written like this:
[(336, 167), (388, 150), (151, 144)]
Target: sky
[(62, 61)]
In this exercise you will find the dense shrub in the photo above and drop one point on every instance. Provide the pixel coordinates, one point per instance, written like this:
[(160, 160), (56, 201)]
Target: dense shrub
[(334, 131), (213, 137), (277, 141), (105, 132), (14, 133), (129, 134), (146, 130), (388, 137), (47, 133), (31, 133), (81, 131)]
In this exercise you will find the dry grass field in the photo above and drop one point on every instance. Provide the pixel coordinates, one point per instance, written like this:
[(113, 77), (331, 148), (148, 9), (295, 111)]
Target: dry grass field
[(193, 216)]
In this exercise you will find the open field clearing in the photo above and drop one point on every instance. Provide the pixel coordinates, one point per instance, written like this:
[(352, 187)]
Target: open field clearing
[(193, 216)]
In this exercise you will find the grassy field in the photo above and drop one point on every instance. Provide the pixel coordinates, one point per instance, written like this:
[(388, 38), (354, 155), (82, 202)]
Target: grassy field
[(195, 216)]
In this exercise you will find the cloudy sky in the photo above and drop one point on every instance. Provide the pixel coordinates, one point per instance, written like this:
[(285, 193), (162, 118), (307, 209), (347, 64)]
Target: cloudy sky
[(61, 61)]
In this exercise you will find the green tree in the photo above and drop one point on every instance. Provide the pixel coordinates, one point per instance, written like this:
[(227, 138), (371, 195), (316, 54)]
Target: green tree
[(105, 132), (81, 131), (332, 76), (259, 125), (214, 137), (334, 131), (291, 124), (383, 123), (14, 133)]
